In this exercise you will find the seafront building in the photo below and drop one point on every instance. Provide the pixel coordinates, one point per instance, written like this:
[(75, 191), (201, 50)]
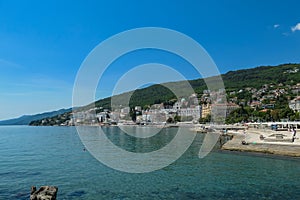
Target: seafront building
[(194, 112), (295, 104), (206, 109), (223, 109)]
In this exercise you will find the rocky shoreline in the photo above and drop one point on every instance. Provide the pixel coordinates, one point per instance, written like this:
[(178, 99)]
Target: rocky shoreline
[(44, 193)]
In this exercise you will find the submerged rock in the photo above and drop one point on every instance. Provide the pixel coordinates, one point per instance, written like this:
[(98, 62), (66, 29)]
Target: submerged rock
[(44, 193)]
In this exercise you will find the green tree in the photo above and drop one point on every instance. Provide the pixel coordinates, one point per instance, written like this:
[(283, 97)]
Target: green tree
[(177, 118), (170, 120), (205, 119)]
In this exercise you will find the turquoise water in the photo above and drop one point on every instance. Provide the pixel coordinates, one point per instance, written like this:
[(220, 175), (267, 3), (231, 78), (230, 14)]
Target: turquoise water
[(54, 156)]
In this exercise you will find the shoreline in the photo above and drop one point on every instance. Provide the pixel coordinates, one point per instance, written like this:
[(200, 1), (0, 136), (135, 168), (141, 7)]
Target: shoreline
[(259, 154), (273, 149)]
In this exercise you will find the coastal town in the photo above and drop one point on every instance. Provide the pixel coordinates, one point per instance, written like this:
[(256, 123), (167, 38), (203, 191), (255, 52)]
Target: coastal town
[(272, 102)]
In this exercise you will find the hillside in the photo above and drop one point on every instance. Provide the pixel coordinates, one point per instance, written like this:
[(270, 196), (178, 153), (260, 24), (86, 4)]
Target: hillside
[(256, 77), (233, 80)]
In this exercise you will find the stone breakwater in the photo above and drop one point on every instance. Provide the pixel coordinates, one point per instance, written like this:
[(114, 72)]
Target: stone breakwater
[(251, 142), (44, 193)]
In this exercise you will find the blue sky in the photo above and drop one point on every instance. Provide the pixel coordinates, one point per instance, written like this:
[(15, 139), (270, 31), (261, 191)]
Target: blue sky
[(43, 43)]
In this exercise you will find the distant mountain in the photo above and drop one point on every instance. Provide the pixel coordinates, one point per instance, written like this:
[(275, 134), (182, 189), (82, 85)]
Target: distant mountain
[(26, 119)]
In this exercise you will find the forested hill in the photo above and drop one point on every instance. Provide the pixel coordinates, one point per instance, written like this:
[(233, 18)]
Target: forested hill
[(287, 74)]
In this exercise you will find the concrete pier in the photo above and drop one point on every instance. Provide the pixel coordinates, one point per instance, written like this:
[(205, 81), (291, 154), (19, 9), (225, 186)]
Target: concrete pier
[(255, 140)]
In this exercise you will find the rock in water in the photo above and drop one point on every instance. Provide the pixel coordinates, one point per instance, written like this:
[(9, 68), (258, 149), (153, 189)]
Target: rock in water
[(44, 193)]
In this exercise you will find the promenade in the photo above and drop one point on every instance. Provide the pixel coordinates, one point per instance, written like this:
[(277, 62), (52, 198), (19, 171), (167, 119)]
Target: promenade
[(265, 141)]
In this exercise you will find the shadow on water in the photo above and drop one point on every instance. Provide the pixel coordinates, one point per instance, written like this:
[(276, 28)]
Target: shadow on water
[(76, 194)]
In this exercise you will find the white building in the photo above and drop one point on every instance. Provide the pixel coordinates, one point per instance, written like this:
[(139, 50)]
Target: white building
[(194, 112), (138, 108), (125, 110), (177, 105), (295, 104), (154, 116)]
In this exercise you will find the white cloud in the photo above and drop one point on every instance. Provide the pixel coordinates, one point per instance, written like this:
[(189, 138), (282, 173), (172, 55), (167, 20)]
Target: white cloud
[(296, 28), (276, 25)]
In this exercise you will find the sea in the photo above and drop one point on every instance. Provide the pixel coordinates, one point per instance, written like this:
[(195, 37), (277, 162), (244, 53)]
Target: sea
[(37, 156)]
